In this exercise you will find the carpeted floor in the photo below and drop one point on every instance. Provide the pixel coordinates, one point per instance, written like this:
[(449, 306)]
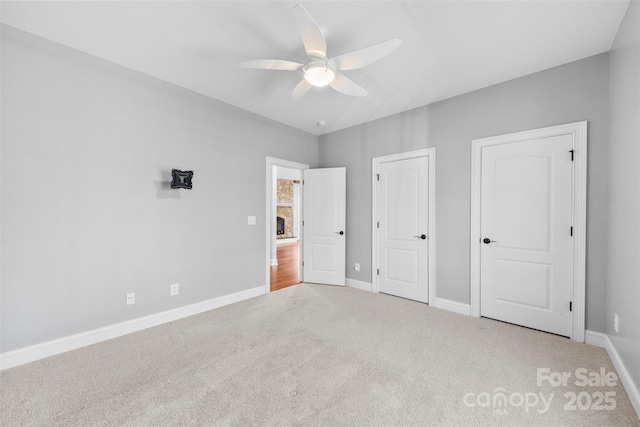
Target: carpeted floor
[(320, 355)]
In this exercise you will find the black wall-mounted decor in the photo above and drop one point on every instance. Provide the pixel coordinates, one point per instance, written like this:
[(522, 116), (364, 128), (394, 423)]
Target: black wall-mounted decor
[(181, 179)]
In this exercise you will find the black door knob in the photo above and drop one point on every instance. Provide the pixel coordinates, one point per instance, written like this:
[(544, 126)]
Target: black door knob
[(423, 236), (487, 240), (341, 233)]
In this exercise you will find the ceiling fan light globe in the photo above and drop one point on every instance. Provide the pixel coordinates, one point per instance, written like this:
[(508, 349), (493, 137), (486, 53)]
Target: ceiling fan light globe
[(318, 74)]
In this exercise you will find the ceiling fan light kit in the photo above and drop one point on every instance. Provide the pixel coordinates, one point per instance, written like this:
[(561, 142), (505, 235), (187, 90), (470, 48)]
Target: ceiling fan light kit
[(321, 71), (318, 73)]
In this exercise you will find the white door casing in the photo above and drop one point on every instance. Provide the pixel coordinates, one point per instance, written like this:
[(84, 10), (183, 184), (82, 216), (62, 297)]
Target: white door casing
[(403, 225), (324, 220), (528, 199)]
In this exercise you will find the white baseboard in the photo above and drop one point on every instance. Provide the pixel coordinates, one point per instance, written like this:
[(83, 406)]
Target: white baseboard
[(51, 348), (455, 306), (602, 340), (357, 284), (596, 338), (287, 240)]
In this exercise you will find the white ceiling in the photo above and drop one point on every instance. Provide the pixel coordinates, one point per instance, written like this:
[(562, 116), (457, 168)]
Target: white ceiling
[(448, 47)]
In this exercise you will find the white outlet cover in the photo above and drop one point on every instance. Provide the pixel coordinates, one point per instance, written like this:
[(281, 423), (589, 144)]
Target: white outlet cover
[(175, 289), (251, 220), (131, 298)]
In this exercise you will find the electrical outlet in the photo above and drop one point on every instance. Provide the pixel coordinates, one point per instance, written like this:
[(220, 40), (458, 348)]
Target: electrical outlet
[(356, 267), (131, 298), (175, 289), (616, 323)]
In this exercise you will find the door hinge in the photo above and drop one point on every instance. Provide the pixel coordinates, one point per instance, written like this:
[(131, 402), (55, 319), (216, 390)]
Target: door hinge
[(571, 151), (570, 305), (571, 232), (303, 263), (378, 271), (303, 223), (378, 224), (378, 176)]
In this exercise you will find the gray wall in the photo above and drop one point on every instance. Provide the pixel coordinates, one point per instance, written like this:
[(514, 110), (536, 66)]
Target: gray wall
[(573, 92), (623, 279), (87, 147), (87, 150)]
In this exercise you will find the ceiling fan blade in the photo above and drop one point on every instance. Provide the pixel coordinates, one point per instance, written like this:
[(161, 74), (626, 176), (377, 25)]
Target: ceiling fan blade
[(360, 58), (312, 37), (347, 86), (300, 89), (272, 64)]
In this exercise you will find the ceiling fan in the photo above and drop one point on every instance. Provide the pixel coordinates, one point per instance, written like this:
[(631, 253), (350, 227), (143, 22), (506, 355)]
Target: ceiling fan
[(321, 70)]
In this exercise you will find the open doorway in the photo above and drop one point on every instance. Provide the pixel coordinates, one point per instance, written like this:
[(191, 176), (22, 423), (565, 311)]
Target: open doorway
[(285, 271), (284, 223)]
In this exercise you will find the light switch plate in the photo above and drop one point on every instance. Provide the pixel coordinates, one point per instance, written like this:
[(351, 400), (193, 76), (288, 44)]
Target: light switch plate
[(251, 220)]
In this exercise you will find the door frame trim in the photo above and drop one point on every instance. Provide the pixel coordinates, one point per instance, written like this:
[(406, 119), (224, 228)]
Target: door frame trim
[(270, 213), (579, 208), (430, 153)]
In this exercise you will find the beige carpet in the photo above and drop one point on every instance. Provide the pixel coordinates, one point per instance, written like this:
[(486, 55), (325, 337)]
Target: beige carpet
[(317, 355)]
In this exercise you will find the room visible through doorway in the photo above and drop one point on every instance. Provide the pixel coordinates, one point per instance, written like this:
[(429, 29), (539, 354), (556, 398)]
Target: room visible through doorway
[(287, 272), (285, 266)]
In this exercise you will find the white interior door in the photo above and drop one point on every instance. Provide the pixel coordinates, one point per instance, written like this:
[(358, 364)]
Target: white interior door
[(526, 233), (324, 218), (403, 228)]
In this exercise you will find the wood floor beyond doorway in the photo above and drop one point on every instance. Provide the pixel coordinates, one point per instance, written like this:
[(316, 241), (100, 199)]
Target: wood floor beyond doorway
[(287, 272)]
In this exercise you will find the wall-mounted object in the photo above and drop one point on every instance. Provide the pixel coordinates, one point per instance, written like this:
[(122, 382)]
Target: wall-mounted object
[(181, 179)]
